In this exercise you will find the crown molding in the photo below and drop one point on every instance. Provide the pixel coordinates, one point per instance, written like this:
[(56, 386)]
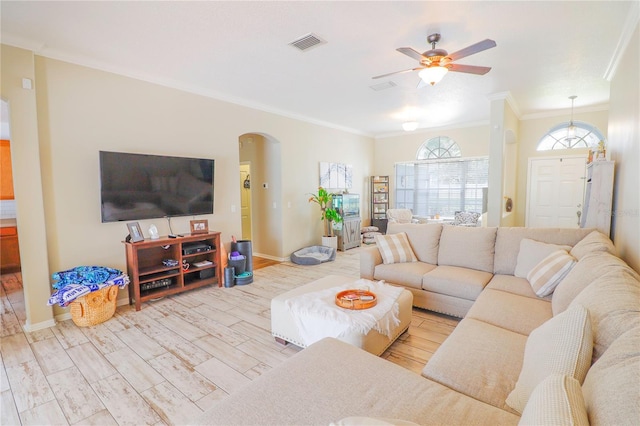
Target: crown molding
[(507, 96), (633, 18)]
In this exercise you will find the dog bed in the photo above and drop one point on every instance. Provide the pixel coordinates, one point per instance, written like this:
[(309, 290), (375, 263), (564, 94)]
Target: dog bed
[(313, 255)]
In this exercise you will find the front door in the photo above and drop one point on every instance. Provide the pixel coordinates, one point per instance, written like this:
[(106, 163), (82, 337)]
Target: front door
[(555, 192)]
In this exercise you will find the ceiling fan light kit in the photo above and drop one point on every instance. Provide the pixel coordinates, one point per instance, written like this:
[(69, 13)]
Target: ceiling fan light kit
[(433, 74)]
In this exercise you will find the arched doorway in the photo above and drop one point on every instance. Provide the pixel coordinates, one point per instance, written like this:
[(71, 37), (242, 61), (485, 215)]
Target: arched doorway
[(260, 160)]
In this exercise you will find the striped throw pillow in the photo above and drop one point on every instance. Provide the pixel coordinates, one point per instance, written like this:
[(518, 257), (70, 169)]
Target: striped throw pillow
[(395, 248), (546, 275)]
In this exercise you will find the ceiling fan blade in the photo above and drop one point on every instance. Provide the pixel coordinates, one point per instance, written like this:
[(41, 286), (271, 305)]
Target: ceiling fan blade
[(470, 69), (413, 54), (474, 48), (397, 72)]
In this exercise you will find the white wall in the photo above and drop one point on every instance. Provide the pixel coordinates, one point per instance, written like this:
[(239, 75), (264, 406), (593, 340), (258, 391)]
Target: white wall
[(624, 149)]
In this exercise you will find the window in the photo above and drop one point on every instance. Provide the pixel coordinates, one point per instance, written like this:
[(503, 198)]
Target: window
[(587, 136), (442, 187), (438, 147)]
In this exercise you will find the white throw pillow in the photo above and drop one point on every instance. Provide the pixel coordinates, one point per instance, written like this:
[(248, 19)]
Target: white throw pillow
[(546, 275), (531, 253), (562, 345), (557, 400), (465, 218), (395, 248)]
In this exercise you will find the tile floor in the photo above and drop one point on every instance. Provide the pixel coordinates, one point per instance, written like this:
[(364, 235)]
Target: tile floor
[(175, 357)]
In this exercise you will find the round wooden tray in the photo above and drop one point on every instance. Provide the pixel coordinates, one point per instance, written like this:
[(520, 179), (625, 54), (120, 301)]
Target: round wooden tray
[(353, 299)]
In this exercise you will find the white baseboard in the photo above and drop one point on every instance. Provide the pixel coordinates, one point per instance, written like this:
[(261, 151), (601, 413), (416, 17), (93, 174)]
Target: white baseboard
[(30, 328), (266, 256)]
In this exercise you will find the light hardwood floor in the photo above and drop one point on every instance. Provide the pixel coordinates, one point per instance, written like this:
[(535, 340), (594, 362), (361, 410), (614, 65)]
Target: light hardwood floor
[(174, 358)]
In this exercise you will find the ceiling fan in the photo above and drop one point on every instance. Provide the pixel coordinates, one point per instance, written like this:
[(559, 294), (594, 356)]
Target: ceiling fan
[(435, 63)]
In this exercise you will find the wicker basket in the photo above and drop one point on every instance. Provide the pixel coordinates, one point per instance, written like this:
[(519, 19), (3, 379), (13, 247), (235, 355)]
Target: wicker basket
[(95, 307)]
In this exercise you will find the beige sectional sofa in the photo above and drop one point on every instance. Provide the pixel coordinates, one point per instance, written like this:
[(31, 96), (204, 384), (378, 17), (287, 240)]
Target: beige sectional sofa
[(572, 357)]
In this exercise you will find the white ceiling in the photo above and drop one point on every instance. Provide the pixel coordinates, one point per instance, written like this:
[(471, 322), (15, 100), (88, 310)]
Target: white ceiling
[(239, 52)]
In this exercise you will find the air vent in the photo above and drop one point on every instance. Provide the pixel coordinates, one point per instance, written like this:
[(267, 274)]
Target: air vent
[(383, 86), (307, 42)]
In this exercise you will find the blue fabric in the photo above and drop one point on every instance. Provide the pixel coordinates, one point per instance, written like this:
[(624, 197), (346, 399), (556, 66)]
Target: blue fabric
[(85, 275), (81, 280)]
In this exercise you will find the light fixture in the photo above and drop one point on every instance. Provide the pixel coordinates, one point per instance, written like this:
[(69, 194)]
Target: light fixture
[(410, 126), (433, 74), (571, 129)]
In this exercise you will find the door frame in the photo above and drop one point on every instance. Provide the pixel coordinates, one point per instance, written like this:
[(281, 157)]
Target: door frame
[(530, 161), (247, 163)]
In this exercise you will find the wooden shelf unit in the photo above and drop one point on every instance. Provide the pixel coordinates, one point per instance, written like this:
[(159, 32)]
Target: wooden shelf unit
[(379, 202), (144, 266)]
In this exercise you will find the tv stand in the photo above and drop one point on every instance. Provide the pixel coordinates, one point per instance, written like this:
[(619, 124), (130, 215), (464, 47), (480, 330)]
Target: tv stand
[(151, 279)]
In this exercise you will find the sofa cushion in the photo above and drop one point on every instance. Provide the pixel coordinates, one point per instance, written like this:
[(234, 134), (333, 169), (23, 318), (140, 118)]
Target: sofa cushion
[(454, 281), (407, 274), (510, 311), (562, 345), (479, 360), (557, 400), (515, 285), (546, 275), (613, 304), (508, 243), (612, 386), (467, 247), (331, 380), (531, 253), (588, 268), (395, 248), (424, 239), (594, 242)]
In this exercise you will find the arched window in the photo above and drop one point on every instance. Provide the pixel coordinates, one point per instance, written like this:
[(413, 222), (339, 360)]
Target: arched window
[(438, 147), (586, 136)]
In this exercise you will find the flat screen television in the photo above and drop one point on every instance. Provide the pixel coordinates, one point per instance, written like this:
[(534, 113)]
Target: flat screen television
[(141, 186)]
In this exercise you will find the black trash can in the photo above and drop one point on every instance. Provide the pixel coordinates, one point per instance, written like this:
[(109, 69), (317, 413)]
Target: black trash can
[(244, 248)]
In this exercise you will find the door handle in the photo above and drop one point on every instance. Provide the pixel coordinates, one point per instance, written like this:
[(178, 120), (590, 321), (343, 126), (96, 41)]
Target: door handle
[(579, 213)]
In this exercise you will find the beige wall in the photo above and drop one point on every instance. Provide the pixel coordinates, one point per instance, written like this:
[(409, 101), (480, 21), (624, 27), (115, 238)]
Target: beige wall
[(531, 130), (81, 111), (473, 142), (624, 149), (16, 65)]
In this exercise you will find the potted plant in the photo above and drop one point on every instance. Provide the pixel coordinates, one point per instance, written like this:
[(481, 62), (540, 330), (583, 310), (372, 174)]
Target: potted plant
[(328, 214)]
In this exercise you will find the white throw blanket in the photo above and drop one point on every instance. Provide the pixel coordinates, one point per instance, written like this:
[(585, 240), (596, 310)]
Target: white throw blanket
[(317, 316)]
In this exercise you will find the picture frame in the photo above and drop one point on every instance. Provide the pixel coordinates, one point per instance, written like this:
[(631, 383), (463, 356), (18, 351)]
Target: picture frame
[(199, 226), (135, 232)]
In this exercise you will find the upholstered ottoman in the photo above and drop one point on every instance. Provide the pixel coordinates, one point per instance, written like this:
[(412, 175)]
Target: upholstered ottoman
[(284, 329)]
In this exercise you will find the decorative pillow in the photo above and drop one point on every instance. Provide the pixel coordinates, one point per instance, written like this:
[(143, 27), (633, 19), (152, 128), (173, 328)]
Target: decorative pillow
[(562, 345), (531, 253), (557, 400), (546, 275), (466, 218), (366, 229), (395, 248), (594, 242)]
